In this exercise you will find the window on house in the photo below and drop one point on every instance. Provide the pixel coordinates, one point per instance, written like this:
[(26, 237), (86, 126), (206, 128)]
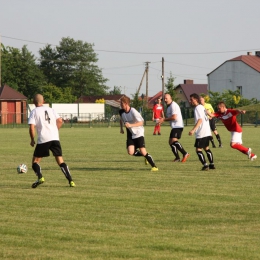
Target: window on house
[(240, 90)]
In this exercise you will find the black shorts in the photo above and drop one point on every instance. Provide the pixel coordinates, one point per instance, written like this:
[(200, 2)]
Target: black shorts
[(202, 142), (137, 142), (43, 150), (212, 123), (176, 133)]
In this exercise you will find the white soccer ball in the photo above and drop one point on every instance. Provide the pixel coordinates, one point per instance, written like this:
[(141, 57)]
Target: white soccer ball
[(22, 168)]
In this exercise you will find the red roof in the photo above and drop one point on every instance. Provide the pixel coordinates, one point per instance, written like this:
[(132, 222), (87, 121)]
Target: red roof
[(189, 89), (250, 60), (8, 93)]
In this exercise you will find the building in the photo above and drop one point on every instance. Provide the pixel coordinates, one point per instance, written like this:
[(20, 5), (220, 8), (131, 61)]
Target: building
[(240, 73), (183, 91), (13, 106)]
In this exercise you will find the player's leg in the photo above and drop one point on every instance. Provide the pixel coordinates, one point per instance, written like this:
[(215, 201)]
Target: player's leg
[(236, 143), (174, 149), (57, 153), (159, 129), (218, 138), (140, 143), (41, 150), (199, 144), (212, 127)]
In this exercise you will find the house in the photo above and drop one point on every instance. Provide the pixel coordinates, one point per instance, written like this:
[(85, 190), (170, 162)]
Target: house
[(240, 73), (111, 100), (13, 106), (183, 91)]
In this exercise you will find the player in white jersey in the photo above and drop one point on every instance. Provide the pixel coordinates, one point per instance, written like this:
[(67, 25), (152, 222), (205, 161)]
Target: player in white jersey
[(202, 132), (174, 116), (133, 122), (46, 122)]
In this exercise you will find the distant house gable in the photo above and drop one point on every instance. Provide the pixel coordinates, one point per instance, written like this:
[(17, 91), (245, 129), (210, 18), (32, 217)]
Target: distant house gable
[(250, 60), (183, 91), (238, 74), (8, 93)]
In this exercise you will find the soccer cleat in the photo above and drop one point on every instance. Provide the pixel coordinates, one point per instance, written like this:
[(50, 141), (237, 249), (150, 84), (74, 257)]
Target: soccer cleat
[(38, 182), (185, 157), (205, 168), (72, 184), (212, 167), (220, 146), (177, 160), (253, 157), (213, 146), (145, 161), (159, 133), (154, 169), (249, 153), (154, 133)]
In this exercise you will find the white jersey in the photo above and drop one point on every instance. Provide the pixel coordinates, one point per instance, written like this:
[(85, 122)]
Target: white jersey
[(133, 116), (44, 118), (174, 109), (204, 129)]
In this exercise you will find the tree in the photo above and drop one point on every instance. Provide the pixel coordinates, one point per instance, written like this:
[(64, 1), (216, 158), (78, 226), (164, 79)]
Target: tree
[(170, 88), (20, 71), (136, 102), (73, 64), (115, 91)]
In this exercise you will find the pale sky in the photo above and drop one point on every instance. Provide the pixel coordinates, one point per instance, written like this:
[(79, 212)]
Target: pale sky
[(193, 36)]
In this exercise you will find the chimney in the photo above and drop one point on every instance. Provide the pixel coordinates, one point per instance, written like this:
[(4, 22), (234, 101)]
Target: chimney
[(257, 53), (249, 53), (188, 81)]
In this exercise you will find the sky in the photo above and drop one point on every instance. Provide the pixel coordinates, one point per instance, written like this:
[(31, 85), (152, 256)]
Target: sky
[(193, 36)]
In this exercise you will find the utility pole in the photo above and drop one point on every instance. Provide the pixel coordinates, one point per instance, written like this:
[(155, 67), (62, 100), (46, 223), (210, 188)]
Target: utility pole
[(162, 79), (147, 70), (0, 62)]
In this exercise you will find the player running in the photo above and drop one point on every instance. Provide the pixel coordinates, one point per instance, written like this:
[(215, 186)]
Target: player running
[(229, 119), (133, 122)]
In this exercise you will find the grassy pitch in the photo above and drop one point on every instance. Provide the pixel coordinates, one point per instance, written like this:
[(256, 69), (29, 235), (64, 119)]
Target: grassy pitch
[(121, 210)]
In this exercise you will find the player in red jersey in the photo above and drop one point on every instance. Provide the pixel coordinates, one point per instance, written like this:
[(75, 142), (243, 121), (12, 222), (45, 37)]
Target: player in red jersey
[(157, 114), (229, 119)]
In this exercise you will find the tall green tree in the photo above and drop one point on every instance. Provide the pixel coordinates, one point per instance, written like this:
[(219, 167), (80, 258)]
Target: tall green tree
[(73, 64), (170, 87), (20, 71)]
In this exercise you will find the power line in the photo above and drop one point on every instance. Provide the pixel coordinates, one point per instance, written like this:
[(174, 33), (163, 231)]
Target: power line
[(144, 53)]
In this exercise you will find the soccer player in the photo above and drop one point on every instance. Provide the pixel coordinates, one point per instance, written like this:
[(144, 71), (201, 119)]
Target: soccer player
[(202, 132), (133, 122), (229, 119), (174, 117), (46, 122), (212, 122), (157, 114)]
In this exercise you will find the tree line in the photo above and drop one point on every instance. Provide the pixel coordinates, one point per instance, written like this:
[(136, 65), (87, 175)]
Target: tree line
[(62, 73)]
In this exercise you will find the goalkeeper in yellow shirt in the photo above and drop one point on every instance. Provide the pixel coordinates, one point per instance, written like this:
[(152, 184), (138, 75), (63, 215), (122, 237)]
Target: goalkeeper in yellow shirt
[(212, 122)]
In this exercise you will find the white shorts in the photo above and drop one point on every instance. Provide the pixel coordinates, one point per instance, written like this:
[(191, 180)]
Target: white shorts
[(236, 137)]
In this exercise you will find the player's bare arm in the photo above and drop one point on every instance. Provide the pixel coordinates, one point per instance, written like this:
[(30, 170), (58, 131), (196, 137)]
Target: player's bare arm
[(193, 130), (172, 118), (32, 134), (241, 111), (121, 127), (59, 122), (128, 125)]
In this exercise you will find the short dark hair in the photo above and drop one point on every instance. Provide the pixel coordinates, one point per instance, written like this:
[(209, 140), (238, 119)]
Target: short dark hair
[(196, 96)]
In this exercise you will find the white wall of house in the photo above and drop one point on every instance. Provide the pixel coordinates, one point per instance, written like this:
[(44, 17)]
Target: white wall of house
[(68, 111), (233, 75)]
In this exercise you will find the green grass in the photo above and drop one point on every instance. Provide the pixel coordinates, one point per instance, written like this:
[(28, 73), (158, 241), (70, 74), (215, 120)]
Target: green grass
[(121, 210)]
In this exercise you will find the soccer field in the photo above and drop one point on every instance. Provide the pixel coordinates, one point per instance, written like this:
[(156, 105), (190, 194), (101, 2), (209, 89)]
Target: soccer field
[(119, 209)]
